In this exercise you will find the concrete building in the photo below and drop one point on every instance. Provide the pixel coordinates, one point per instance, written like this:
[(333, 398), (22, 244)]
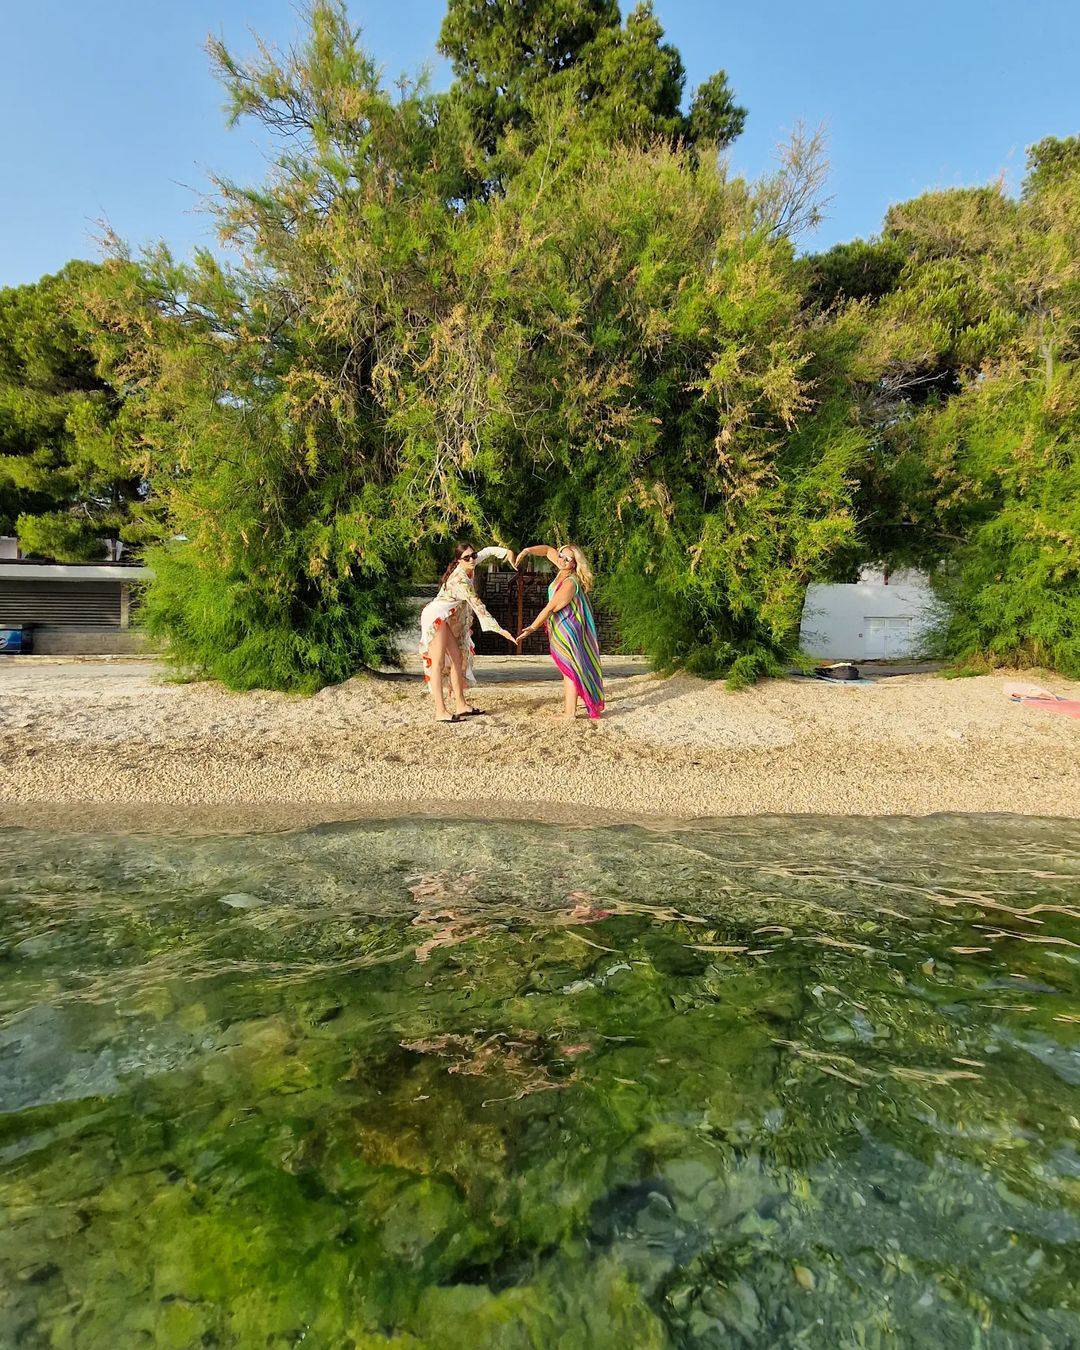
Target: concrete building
[(873, 619), (71, 609)]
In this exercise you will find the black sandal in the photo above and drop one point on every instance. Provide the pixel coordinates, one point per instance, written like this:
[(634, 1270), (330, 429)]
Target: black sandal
[(473, 712), (447, 721)]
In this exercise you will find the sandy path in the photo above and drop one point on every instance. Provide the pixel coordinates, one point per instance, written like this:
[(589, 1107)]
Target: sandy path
[(85, 731)]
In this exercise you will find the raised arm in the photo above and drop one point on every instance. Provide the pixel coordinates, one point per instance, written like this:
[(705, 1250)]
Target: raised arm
[(539, 551), (494, 551)]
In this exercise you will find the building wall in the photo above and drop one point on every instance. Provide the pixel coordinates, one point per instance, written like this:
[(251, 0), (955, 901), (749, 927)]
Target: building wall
[(72, 609), (837, 619), (70, 640), (499, 589)]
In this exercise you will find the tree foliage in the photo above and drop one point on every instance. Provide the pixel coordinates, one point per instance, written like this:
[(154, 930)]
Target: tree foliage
[(672, 411), (612, 345), (63, 487), (970, 319), (539, 305), (263, 391), (511, 58)]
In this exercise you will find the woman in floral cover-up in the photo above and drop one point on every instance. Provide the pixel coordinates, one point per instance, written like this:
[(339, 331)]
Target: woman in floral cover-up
[(446, 644)]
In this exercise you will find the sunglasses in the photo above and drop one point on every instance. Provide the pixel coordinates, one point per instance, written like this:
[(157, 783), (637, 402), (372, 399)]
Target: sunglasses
[(469, 557)]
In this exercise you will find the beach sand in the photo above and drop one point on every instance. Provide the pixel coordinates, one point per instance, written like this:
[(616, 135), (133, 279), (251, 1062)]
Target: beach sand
[(119, 731)]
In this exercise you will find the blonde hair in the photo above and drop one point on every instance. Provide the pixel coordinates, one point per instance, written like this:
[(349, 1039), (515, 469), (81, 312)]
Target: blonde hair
[(582, 571)]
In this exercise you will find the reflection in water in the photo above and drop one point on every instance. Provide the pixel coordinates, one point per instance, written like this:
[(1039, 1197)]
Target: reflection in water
[(761, 1083)]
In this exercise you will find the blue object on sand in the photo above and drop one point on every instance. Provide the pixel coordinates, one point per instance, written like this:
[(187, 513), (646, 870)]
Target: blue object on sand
[(16, 640)]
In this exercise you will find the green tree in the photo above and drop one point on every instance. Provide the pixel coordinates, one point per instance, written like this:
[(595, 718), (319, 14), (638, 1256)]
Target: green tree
[(968, 315), (1052, 160), (675, 411), (288, 471), (614, 346), (860, 270), (613, 342), (509, 58), (65, 486)]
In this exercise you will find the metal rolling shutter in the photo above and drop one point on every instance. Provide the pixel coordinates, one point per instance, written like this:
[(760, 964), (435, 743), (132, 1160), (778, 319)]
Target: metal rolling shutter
[(82, 604)]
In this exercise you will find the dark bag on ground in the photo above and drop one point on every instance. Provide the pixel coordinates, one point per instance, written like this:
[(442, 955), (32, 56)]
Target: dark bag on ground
[(843, 670)]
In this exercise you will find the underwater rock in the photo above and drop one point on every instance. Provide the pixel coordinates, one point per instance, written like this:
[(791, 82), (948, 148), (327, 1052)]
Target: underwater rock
[(41, 1060), (804, 1278), (31, 948), (242, 900), (689, 1176), (417, 1218), (657, 1219)]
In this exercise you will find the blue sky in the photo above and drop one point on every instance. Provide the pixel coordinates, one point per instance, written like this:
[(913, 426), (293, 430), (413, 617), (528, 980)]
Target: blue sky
[(110, 111)]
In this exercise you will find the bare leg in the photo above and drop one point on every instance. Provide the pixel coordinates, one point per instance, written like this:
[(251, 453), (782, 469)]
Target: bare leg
[(457, 673), (570, 698), (436, 653)]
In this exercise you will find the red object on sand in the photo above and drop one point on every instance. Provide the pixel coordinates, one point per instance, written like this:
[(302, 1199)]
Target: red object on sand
[(1070, 707)]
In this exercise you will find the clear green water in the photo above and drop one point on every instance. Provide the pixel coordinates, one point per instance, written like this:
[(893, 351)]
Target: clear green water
[(420, 1083)]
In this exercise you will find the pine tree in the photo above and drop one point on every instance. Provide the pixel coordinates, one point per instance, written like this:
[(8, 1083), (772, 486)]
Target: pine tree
[(512, 57), (65, 486)]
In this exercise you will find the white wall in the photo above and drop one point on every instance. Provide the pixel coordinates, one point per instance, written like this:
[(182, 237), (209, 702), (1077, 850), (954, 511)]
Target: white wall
[(837, 621), (409, 637)]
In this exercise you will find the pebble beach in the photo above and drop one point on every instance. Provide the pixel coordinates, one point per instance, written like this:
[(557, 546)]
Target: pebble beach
[(86, 733)]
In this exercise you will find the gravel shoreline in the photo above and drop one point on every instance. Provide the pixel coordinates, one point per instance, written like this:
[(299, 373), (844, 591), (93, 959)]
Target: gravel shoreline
[(121, 733)]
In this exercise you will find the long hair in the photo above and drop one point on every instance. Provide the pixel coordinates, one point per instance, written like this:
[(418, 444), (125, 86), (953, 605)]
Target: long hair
[(462, 546), (582, 570)]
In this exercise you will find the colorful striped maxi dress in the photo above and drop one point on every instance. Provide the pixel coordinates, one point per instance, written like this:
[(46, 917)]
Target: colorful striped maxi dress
[(575, 648)]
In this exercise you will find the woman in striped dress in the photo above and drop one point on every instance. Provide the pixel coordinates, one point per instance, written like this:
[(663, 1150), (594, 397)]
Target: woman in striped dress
[(575, 648)]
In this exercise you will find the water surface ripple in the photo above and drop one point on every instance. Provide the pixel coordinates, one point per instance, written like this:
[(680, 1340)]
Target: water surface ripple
[(785, 1082)]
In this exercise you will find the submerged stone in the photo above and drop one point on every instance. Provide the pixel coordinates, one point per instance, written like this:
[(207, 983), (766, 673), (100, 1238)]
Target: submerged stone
[(242, 900)]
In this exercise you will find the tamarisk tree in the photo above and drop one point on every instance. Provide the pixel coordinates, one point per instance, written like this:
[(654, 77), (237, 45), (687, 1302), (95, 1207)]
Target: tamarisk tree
[(969, 381), (290, 476), (612, 342)]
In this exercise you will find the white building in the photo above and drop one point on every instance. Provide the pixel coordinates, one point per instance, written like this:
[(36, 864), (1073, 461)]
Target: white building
[(870, 620)]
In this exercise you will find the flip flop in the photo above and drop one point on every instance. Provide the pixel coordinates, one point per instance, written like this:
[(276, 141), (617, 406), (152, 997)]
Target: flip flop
[(473, 712), (447, 721)]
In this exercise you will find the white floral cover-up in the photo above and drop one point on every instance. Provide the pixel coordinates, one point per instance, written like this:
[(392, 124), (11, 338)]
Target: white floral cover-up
[(455, 604)]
